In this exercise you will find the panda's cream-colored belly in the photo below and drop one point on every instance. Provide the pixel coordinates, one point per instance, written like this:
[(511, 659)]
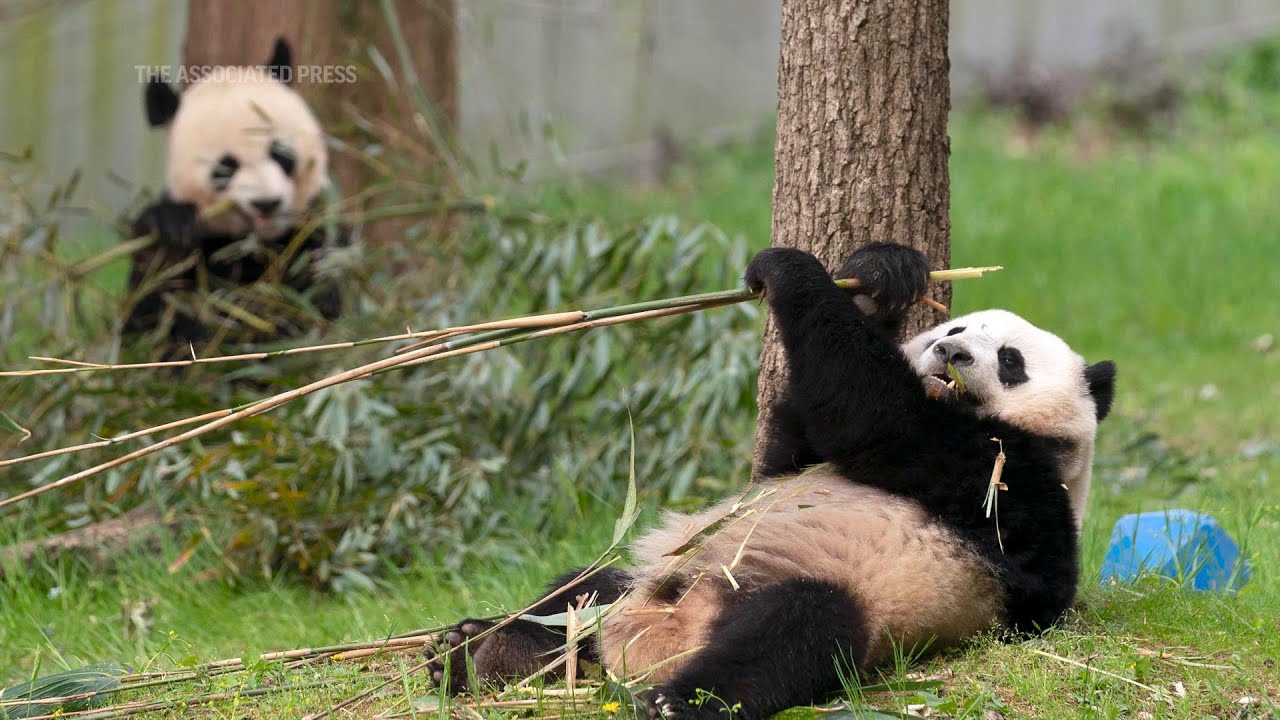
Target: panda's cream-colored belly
[(916, 582)]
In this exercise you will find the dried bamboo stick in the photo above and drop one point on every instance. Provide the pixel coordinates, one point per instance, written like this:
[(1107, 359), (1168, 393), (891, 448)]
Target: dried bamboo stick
[(508, 333)]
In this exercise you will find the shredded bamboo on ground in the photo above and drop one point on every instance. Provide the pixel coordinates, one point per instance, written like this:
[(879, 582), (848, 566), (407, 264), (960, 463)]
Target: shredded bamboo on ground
[(296, 658), (1160, 694), (501, 334), (595, 567), (139, 707)]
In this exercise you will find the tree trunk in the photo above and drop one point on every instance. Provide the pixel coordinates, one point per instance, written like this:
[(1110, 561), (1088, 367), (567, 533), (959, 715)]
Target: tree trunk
[(380, 110), (862, 147), (242, 32)]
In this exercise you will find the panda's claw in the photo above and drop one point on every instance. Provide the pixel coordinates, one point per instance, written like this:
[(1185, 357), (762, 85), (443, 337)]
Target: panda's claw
[(660, 705)]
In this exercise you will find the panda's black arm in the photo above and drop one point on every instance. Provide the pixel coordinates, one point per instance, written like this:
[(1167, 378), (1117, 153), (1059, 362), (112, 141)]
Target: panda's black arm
[(892, 278), (784, 450), (171, 223), (848, 385)]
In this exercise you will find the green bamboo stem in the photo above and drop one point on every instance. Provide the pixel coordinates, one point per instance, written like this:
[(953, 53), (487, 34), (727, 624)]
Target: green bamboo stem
[(478, 342), (545, 319)]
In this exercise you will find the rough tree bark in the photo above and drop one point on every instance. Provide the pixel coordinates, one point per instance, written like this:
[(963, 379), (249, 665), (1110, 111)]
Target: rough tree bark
[(862, 147)]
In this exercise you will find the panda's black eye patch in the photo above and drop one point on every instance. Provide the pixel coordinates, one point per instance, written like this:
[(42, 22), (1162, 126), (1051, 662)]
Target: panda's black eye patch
[(955, 331), (283, 156), (220, 176), (1013, 367)]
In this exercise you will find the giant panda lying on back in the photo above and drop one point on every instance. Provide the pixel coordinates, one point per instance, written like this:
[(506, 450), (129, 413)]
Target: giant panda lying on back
[(872, 532), (246, 162)]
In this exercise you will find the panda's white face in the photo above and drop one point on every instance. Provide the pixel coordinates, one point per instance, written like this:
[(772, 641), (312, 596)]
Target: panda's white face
[(1014, 371), (1010, 369), (248, 144)]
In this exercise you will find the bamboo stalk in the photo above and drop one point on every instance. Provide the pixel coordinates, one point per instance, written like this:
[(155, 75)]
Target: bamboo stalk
[(105, 442), (541, 320), (78, 366), (253, 409), (509, 332), (1160, 694)]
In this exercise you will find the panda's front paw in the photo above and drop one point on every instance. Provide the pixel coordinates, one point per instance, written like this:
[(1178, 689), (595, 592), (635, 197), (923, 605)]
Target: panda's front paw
[(773, 268), (892, 276), (170, 223)]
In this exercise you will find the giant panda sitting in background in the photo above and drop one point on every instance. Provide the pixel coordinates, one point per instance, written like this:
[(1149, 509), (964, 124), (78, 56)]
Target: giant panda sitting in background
[(872, 532), (246, 162)]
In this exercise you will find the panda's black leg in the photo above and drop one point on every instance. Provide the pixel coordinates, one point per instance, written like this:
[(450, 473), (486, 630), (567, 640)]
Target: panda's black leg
[(520, 648), (776, 648)]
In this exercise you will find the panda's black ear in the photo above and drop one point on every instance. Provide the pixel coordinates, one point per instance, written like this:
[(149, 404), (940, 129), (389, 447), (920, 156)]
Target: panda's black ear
[(1101, 377), (280, 66), (161, 101)]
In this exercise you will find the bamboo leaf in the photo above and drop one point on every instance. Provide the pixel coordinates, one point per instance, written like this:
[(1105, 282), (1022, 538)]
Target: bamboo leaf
[(629, 512), (742, 507), (585, 616), (66, 691), (7, 424)]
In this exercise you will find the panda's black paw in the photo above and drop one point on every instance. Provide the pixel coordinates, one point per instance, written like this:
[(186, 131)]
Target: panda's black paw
[(892, 276), (775, 267), (171, 223), (448, 667)]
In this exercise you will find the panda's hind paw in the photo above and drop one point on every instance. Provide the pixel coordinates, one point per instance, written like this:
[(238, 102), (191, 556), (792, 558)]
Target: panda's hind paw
[(450, 651), (661, 704)]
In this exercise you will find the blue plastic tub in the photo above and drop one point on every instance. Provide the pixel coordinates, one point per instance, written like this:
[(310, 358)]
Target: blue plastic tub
[(1183, 545)]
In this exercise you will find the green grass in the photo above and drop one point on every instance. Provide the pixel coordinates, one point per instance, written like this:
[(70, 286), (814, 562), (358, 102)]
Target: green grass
[(1160, 256)]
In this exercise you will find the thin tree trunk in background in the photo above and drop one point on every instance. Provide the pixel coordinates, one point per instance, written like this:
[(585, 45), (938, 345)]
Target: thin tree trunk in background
[(375, 108), (862, 148), (380, 110), (242, 32)]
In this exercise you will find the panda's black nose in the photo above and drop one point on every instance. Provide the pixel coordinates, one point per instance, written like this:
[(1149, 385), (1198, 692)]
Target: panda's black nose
[(951, 352), (266, 207)]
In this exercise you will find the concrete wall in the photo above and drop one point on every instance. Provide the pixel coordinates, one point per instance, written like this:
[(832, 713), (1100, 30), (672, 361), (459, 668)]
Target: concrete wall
[(69, 89), (603, 75), (606, 73), (582, 82)]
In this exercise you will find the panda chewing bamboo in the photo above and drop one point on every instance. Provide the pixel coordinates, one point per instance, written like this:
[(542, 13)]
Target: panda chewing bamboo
[(246, 162), (870, 532)]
